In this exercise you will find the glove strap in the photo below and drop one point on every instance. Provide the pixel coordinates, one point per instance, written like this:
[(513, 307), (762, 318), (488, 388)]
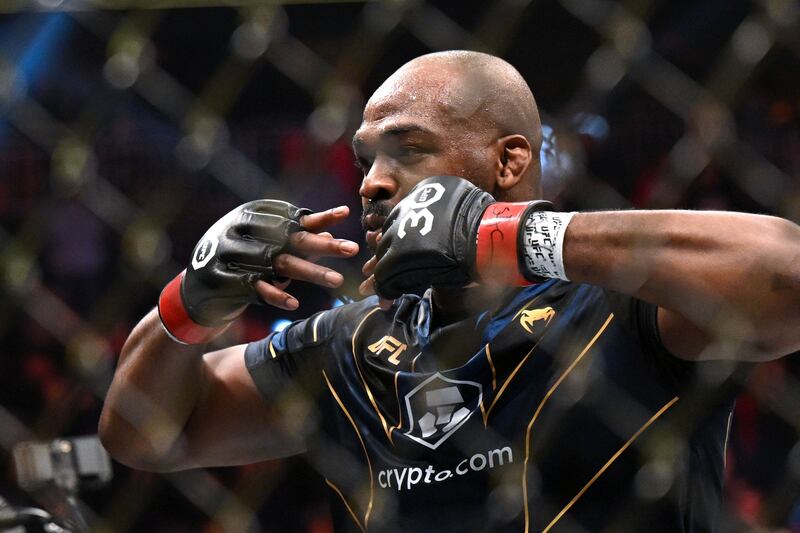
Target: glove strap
[(497, 259), (176, 320)]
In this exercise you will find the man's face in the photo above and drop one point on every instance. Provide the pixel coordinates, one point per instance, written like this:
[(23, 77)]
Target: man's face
[(413, 128)]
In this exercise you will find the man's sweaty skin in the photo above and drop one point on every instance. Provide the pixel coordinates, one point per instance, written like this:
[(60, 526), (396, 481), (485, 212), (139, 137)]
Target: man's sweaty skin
[(172, 407)]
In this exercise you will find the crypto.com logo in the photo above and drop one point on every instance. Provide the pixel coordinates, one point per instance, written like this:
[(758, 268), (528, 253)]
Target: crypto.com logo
[(438, 406)]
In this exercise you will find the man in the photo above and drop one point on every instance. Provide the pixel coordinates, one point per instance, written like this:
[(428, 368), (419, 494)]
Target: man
[(506, 398)]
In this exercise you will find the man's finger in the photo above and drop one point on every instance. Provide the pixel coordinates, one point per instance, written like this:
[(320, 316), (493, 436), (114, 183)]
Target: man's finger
[(275, 296), (316, 222), (369, 266), (367, 286), (294, 267), (373, 238), (307, 244)]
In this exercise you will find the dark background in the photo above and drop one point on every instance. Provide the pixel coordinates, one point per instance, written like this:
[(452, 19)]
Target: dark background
[(125, 132)]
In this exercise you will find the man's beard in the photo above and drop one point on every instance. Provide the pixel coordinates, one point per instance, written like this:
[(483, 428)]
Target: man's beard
[(381, 209)]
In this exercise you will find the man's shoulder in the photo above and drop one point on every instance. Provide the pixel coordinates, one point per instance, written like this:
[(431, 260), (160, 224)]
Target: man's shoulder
[(565, 293), (326, 325)]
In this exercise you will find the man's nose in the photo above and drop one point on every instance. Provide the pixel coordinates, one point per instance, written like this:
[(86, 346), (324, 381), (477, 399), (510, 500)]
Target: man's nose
[(379, 183)]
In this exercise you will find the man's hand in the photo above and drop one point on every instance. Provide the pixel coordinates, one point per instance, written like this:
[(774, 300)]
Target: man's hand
[(429, 237), (249, 256), (367, 286), (305, 247), (447, 233)]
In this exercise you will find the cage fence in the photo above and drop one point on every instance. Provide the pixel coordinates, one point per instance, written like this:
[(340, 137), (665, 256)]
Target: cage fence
[(128, 127)]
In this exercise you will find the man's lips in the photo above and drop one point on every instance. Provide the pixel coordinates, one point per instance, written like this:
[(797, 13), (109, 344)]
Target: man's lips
[(373, 222)]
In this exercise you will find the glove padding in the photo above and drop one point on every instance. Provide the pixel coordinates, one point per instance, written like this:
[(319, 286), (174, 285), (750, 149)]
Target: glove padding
[(235, 252), (429, 238)]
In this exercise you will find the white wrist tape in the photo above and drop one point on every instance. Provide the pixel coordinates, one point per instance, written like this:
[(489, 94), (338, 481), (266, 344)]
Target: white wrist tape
[(543, 243)]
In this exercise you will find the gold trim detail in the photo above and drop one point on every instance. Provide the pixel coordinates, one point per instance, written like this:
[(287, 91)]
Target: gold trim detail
[(539, 410), (509, 378), (352, 514), (314, 325), (399, 407), (363, 446), (272, 349), (414, 361), (364, 381), (725, 446), (491, 365), (609, 462)]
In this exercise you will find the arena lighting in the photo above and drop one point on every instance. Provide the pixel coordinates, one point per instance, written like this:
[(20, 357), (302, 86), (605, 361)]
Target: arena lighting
[(595, 126), (280, 324), (31, 42), (557, 163)]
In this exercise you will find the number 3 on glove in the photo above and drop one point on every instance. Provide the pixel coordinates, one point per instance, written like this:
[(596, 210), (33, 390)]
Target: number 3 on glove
[(418, 210)]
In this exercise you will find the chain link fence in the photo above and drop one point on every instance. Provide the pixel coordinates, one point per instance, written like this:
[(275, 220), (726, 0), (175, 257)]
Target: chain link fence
[(128, 126)]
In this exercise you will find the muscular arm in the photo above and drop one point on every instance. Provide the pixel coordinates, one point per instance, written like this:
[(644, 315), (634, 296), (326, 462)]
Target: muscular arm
[(170, 407), (173, 407), (716, 276), (727, 285)]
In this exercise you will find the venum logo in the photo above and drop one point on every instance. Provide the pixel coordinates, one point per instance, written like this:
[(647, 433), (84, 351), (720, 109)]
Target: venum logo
[(438, 406), (529, 318), (204, 253), (419, 212)]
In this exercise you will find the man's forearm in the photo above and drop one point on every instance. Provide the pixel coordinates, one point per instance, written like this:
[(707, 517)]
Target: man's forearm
[(154, 391), (707, 266)]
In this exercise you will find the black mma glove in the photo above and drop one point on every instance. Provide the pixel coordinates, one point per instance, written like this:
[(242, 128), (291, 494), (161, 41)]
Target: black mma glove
[(428, 238), (447, 233), (233, 254)]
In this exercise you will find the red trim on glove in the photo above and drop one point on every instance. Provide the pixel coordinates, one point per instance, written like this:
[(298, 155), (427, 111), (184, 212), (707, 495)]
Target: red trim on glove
[(497, 258), (176, 319)]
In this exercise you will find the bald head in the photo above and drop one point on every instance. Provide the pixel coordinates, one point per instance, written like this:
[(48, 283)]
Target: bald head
[(476, 89), (455, 113)]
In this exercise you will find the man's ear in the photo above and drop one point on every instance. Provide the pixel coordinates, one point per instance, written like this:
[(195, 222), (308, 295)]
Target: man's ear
[(515, 158)]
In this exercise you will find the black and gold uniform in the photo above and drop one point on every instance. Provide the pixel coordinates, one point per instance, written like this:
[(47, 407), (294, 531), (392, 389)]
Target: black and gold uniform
[(557, 411)]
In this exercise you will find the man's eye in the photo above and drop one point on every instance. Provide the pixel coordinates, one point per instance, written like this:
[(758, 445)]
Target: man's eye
[(407, 150), (361, 164)]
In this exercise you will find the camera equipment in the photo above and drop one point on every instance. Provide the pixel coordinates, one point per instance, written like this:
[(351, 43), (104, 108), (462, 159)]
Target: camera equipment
[(54, 472), (69, 464)]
